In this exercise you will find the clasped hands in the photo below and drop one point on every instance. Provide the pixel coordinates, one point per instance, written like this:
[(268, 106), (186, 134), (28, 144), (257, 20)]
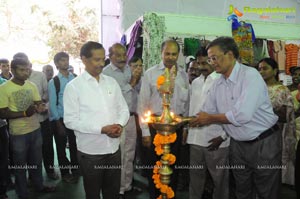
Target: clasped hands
[(113, 130), (36, 108)]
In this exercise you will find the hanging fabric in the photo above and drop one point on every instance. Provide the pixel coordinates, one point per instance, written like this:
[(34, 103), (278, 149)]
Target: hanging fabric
[(291, 56), (134, 38), (191, 46), (279, 55), (260, 50), (244, 36), (271, 49)]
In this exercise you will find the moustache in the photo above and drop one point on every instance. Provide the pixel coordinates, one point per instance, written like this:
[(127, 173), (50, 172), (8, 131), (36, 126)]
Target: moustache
[(122, 62), (194, 76), (203, 70)]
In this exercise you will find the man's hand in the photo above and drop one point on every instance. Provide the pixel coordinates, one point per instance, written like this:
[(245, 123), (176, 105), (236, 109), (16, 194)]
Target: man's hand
[(113, 131), (201, 119), (136, 76), (146, 141), (215, 143), (41, 108), (30, 110)]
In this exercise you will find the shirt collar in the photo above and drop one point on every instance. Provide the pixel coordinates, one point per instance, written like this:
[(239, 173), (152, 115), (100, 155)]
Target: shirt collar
[(233, 77), (87, 76), (114, 68), (213, 75), (61, 75), (161, 66)]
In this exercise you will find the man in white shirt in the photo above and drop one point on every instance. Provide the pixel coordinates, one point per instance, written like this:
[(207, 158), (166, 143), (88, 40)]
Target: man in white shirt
[(96, 110), (150, 99), (208, 144)]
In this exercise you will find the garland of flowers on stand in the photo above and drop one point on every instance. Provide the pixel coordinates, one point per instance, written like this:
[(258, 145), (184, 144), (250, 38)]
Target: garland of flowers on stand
[(164, 86), (158, 141)]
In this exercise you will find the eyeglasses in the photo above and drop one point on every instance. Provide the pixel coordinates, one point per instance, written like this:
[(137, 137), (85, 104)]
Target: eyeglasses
[(214, 58)]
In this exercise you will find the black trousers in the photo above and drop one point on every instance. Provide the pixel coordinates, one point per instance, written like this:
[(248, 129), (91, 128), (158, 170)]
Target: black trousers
[(151, 158), (48, 152), (257, 167), (3, 160), (66, 165), (101, 173), (297, 171)]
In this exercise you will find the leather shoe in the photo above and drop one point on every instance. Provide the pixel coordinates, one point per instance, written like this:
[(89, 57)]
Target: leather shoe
[(53, 176)]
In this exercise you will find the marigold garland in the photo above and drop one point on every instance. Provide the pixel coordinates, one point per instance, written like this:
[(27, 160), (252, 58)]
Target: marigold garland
[(170, 158), (158, 141)]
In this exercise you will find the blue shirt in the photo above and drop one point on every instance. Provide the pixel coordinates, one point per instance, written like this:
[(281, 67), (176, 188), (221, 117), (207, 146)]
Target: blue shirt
[(57, 109), (244, 99)]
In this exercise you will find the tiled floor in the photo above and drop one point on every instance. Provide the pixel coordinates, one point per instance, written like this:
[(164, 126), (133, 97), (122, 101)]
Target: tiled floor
[(75, 191)]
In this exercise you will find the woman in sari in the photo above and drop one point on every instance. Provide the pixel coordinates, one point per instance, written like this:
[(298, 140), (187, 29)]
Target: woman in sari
[(283, 106)]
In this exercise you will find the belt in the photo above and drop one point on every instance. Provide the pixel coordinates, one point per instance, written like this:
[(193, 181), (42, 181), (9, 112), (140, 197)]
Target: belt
[(264, 134), (133, 113)]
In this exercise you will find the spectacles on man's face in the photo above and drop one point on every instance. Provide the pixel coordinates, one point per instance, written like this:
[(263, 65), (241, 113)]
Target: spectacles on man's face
[(214, 58)]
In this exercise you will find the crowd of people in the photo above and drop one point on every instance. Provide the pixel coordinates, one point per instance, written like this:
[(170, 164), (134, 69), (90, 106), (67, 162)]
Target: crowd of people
[(241, 142)]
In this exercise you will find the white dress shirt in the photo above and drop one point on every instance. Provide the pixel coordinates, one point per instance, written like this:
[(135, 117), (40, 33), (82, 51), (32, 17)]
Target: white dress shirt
[(150, 98), (90, 105), (199, 91)]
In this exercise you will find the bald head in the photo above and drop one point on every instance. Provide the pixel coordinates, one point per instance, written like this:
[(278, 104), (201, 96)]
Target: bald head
[(169, 53), (117, 55), (48, 71)]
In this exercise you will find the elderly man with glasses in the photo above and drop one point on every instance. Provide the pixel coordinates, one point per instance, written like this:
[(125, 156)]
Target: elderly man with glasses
[(239, 101)]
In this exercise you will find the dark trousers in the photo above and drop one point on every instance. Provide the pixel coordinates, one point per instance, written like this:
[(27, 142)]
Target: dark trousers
[(48, 152), (151, 158), (297, 171), (255, 174), (27, 154), (3, 160), (101, 173), (65, 164)]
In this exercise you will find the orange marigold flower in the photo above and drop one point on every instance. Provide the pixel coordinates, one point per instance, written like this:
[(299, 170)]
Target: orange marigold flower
[(159, 150), (158, 163), (170, 193), (172, 137), (164, 188), (170, 158), (159, 197), (160, 81)]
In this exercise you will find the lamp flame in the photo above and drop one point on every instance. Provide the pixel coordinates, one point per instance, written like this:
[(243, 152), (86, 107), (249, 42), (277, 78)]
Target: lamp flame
[(147, 117)]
